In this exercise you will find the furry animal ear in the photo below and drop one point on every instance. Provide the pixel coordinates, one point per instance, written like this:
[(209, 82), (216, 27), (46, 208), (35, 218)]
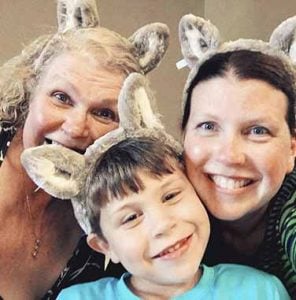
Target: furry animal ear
[(150, 42), (56, 169), (77, 14), (284, 37), (135, 105), (197, 36), (136, 115)]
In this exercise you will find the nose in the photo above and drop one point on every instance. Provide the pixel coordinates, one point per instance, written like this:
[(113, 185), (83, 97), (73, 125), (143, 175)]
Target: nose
[(231, 150), (161, 223), (75, 124)]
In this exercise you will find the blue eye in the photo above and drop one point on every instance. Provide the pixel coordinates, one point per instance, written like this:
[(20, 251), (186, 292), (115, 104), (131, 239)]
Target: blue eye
[(209, 126), (259, 130), (106, 114), (62, 97)]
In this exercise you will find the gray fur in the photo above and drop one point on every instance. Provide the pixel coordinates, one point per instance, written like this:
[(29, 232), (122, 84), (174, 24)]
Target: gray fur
[(150, 42), (283, 37), (73, 14), (197, 36)]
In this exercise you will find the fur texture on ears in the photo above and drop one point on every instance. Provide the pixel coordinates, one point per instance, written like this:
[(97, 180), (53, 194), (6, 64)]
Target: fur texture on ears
[(150, 41), (200, 40), (284, 37), (62, 173), (77, 14)]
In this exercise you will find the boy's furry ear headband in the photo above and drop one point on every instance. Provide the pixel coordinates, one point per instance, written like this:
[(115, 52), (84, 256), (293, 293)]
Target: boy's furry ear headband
[(200, 40), (150, 42), (62, 172)]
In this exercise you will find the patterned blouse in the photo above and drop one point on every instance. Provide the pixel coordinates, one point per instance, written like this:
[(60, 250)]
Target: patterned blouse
[(277, 253), (85, 264)]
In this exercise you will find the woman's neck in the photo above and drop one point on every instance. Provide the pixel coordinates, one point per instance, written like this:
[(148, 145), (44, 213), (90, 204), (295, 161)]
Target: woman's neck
[(15, 185), (247, 233)]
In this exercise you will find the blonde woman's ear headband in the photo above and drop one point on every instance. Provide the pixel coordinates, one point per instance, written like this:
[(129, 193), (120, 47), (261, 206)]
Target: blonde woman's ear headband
[(150, 42), (77, 14)]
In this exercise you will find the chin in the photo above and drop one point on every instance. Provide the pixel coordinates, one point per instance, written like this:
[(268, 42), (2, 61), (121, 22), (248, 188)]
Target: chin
[(226, 213)]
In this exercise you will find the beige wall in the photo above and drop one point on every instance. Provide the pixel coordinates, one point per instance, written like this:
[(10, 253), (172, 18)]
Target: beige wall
[(248, 18), (23, 20)]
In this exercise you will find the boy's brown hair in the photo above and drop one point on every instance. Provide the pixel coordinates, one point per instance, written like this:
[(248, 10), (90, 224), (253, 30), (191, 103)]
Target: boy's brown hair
[(116, 173)]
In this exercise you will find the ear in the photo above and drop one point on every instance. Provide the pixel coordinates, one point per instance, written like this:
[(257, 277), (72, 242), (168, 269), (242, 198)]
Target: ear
[(135, 105), (283, 37), (292, 155), (197, 36), (56, 169), (150, 43), (101, 245), (77, 14)]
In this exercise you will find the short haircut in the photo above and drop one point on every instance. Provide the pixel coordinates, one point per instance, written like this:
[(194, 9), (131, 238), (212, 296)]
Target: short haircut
[(115, 173), (246, 64)]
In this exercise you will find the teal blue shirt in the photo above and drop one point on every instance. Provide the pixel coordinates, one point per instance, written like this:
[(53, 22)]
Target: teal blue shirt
[(223, 282)]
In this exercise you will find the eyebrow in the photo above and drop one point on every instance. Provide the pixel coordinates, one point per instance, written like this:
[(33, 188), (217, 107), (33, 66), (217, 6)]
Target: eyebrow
[(60, 79)]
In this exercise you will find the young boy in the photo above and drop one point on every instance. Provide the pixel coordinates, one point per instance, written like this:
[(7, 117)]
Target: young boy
[(145, 214)]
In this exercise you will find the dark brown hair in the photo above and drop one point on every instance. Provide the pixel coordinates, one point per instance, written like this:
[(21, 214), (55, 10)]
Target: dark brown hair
[(246, 64)]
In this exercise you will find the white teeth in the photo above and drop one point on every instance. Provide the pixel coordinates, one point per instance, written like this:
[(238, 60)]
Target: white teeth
[(229, 183), (173, 248)]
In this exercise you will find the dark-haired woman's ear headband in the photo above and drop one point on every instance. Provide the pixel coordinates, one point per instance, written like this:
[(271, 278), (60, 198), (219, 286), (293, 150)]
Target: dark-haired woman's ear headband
[(200, 40)]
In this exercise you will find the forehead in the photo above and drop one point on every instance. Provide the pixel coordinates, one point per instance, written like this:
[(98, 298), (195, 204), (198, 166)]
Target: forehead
[(77, 63), (231, 92), (82, 72), (153, 182)]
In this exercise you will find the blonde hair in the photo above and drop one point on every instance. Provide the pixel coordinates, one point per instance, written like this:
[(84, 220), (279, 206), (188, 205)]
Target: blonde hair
[(19, 77)]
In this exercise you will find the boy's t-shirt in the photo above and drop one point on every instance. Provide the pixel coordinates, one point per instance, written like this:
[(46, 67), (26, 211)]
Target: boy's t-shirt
[(224, 281)]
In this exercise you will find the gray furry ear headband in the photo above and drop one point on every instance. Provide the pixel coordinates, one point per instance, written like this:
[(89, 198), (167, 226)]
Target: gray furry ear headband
[(200, 40), (62, 172), (150, 42)]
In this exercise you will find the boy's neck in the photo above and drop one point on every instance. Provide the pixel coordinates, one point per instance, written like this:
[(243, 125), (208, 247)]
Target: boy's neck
[(152, 291)]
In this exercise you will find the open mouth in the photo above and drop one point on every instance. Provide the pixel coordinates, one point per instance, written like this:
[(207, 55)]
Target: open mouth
[(230, 183), (175, 250), (51, 142)]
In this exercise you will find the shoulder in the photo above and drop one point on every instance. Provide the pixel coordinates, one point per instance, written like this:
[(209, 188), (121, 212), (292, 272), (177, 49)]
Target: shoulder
[(249, 280), (240, 273), (90, 290)]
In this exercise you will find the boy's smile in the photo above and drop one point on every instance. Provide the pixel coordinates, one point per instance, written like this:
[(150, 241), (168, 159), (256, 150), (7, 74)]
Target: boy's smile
[(158, 234), (176, 250)]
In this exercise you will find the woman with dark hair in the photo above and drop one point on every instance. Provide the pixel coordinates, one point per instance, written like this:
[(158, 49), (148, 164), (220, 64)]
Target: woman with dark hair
[(239, 146)]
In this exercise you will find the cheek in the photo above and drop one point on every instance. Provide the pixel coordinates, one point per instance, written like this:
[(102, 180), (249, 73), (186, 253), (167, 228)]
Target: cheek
[(276, 161), (194, 157), (98, 129)]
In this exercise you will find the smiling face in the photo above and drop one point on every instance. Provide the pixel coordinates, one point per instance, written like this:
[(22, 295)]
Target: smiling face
[(158, 234), (238, 147), (74, 103)]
